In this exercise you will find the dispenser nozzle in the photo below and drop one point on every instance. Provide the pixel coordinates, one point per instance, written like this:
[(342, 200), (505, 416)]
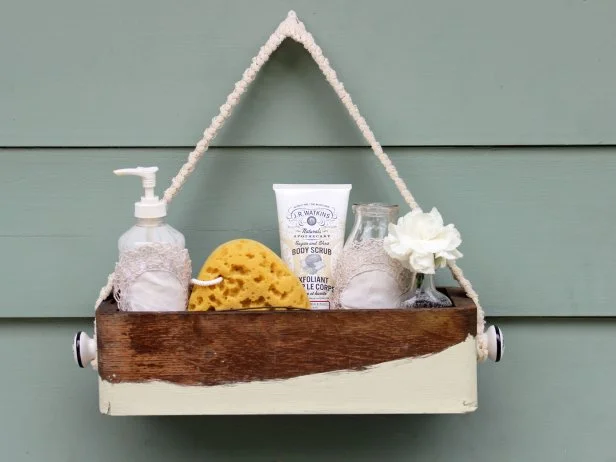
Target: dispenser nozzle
[(148, 175), (150, 205)]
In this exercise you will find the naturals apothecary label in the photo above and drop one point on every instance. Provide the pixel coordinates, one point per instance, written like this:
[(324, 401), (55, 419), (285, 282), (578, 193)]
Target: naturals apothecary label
[(312, 225), (312, 235)]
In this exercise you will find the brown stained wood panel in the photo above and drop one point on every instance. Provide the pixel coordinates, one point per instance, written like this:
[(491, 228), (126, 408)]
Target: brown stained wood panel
[(213, 348)]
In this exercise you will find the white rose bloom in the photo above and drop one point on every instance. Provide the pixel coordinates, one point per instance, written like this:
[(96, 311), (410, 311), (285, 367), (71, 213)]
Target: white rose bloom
[(421, 242)]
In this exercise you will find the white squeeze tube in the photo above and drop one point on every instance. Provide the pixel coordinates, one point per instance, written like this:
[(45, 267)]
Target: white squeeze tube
[(312, 220)]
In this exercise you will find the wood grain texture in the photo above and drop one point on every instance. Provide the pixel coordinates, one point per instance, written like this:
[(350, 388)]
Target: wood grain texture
[(423, 73), (63, 211), (194, 348)]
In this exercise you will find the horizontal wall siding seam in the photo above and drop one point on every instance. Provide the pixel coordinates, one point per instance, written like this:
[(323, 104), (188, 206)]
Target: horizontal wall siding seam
[(307, 146)]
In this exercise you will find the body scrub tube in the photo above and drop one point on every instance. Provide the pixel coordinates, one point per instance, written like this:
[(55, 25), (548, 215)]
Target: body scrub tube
[(312, 219)]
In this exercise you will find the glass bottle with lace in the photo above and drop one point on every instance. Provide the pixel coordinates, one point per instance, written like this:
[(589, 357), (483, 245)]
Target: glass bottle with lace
[(365, 276), (154, 268)]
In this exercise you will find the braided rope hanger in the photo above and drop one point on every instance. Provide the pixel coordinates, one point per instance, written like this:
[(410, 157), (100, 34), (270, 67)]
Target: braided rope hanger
[(293, 28)]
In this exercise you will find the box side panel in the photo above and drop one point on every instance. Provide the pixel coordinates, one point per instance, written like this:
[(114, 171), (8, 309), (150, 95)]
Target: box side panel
[(209, 349), (444, 382)]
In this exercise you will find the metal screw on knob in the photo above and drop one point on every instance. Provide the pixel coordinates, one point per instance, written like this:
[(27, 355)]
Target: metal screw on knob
[(496, 343), (84, 349)]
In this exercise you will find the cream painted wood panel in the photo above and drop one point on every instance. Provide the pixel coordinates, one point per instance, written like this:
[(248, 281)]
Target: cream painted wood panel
[(442, 383)]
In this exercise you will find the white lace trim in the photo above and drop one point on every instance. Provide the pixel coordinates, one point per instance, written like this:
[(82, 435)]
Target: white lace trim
[(153, 256), (363, 257)]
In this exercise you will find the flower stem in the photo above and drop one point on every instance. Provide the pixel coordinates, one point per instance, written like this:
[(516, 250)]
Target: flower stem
[(419, 279)]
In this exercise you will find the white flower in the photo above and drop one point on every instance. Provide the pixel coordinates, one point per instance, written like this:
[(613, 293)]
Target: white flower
[(421, 242)]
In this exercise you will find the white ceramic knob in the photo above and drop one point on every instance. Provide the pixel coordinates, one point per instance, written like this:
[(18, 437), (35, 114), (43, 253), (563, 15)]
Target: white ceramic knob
[(84, 349), (496, 343)]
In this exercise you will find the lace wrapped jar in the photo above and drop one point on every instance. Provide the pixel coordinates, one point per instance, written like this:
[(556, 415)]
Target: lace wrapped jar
[(365, 276)]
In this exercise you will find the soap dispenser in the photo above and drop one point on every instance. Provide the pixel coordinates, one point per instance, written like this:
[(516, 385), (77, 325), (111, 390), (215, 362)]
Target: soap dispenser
[(154, 268)]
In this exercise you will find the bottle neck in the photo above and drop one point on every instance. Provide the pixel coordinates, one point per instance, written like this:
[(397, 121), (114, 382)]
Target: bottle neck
[(149, 222), (425, 281), (371, 227), (372, 221)]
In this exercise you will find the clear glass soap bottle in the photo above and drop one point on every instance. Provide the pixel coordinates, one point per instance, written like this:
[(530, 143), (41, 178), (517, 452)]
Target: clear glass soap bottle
[(154, 267), (148, 230)]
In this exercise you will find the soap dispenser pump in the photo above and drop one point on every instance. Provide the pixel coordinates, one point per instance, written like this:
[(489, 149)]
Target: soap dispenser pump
[(153, 271), (150, 206)]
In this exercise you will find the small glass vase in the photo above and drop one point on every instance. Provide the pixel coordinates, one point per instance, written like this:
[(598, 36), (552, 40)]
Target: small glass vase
[(425, 295)]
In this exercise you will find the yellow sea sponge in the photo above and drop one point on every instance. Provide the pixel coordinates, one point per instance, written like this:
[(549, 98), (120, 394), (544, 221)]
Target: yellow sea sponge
[(253, 277)]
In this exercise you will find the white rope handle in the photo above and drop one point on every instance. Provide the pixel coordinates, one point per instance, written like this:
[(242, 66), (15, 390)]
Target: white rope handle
[(293, 28), (202, 283)]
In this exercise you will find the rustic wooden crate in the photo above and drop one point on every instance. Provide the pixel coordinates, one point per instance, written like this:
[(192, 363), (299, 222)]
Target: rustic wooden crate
[(288, 362)]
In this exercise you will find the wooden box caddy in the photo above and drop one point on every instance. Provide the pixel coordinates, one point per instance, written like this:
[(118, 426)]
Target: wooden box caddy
[(288, 362)]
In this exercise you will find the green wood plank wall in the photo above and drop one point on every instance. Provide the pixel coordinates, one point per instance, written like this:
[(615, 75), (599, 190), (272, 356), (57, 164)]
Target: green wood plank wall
[(531, 207), (440, 72), (499, 113)]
